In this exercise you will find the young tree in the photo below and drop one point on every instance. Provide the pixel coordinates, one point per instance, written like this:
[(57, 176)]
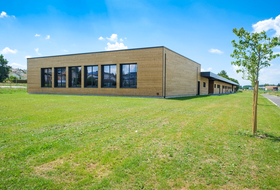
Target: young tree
[(4, 68), (253, 52)]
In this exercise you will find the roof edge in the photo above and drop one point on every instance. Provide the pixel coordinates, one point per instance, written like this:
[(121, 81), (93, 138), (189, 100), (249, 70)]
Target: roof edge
[(209, 74), (98, 52)]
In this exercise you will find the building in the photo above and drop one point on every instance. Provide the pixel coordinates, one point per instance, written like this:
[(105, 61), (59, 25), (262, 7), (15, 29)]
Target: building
[(19, 73), (155, 71), (272, 88)]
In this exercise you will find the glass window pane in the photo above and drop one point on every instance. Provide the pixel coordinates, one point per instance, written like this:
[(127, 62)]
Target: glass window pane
[(95, 76), (63, 77), (91, 76), (109, 76), (129, 75), (75, 77)]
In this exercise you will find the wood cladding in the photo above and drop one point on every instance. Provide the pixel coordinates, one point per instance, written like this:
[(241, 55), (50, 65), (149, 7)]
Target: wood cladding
[(149, 72), (160, 73)]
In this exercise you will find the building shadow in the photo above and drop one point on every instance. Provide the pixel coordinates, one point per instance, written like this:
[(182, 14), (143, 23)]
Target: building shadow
[(197, 96), (188, 97)]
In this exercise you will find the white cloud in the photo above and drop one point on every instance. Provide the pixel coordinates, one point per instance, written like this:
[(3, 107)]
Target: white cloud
[(28, 56), (4, 14), (64, 50), (37, 35), (215, 51), (270, 75), (235, 67), (16, 65), (100, 38), (209, 69), (7, 50), (48, 37), (268, 24), (121, 40), (115, 46), (113, 38), (37, 51)]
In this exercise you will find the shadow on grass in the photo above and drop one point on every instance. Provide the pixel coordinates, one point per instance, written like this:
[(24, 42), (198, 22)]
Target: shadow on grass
[(188, 97), (264, 105), (197, 96), (260, 134)]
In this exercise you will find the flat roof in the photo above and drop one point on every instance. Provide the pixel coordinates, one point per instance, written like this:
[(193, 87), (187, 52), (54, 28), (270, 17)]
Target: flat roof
[(213, 76), (113, 51)]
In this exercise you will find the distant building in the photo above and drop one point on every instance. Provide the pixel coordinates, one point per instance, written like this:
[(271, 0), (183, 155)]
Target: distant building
[(272, 88), (19, 73)]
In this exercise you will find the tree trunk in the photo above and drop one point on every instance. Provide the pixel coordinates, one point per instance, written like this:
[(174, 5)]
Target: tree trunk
[(255, 104)]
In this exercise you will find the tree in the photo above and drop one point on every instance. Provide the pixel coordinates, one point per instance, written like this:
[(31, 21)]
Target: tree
[(4, 68), (223, 73), (253, 52)]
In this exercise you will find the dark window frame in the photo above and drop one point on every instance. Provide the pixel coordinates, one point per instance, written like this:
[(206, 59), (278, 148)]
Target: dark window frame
[(121, 75), (43, 82), (56, 77), (102, 75), (70, 85), (85, 76), (204, 84)]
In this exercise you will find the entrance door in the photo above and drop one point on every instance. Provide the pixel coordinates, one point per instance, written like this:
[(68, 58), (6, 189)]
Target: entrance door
[(198, 88), (211, 87)]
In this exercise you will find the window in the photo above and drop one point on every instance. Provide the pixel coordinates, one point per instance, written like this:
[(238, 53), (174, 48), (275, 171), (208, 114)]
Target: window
[(74, 76), (108, 74), (204, 84), (129, 75), (46, 75), (60, 77), (91, 76), (218, 86), (214, 85)]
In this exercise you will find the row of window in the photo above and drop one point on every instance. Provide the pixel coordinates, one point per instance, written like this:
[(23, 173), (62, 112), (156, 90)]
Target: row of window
[(128, 78), (224, 87)]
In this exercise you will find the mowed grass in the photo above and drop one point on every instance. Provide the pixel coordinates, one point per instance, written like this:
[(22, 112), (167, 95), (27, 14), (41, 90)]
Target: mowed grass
[(99, 142)]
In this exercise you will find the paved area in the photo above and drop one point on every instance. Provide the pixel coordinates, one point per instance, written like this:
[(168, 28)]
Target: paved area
[(13, 86), (273, 99)]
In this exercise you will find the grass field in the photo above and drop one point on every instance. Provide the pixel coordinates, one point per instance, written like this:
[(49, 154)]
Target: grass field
[(12, 84), (95, 142)]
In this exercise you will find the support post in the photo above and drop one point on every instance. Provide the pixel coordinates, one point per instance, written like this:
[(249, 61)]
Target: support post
[(255, 104)]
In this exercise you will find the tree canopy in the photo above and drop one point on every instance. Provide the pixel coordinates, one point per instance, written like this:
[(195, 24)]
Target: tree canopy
[(4, 68), (253, 52), (224, 74)]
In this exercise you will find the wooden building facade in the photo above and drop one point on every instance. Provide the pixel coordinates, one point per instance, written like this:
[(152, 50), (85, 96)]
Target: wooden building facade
[(155, 72)]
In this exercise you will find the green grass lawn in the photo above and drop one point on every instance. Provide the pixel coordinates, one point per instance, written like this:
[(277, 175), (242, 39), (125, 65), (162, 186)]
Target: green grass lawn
[(12, 84), (99, 142)]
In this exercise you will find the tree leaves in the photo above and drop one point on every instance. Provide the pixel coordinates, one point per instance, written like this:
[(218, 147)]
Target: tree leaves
[(253, 52)]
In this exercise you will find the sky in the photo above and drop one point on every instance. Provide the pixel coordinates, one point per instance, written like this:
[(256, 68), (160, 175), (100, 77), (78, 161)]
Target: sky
[(200, 30)]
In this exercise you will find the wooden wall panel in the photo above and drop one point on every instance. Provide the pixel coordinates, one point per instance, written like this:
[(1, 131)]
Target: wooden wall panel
[(204, 90), (149, 72), (222, 90), (181, 75)]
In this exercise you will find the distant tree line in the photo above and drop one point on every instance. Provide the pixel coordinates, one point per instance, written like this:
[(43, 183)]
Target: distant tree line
[(224, 74)]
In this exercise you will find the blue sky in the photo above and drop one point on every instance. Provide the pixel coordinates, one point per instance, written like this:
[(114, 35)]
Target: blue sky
[(200, 30)]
